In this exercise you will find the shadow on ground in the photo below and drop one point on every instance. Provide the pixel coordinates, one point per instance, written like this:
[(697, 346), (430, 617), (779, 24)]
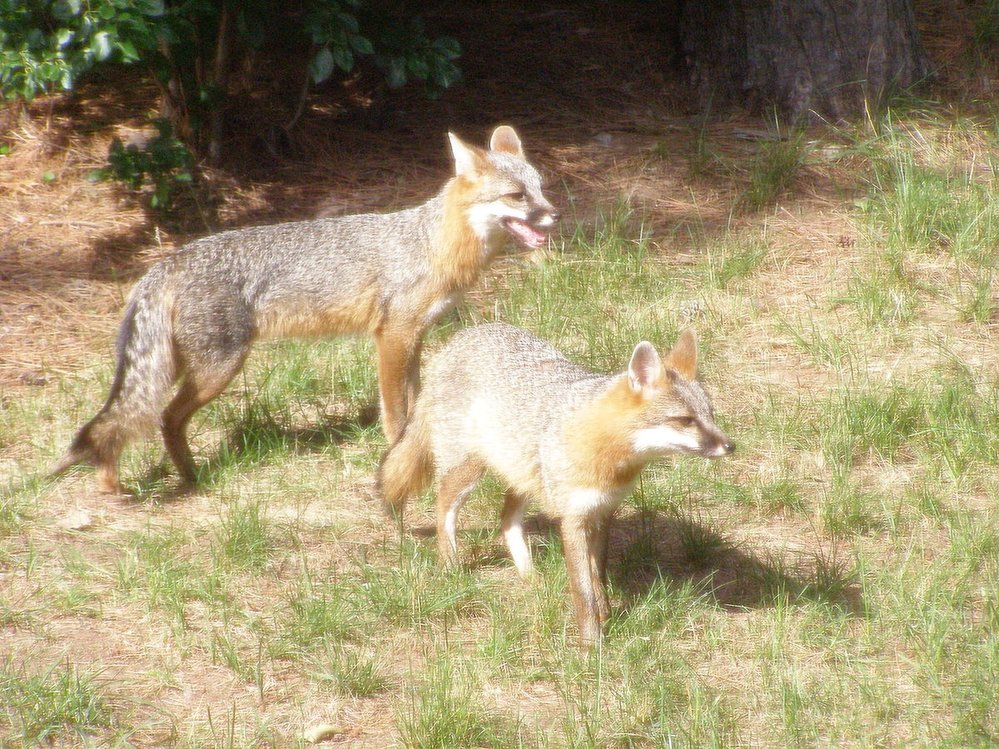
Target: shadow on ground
[(251, 443), (649, 547)]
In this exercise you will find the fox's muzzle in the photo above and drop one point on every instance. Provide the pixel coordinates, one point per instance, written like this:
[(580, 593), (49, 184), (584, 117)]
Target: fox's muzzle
[(719, 448), (544, 216)]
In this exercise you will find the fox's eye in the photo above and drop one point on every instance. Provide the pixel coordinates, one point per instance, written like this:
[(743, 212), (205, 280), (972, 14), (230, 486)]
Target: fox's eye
[(515, 195), (683, 421)]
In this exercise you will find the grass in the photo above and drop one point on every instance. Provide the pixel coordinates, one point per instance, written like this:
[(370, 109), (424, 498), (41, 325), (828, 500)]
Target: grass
[(350, 671), (244, 538), (883, 296), (733, 261), (774, 168), (444, 710), (926, 200), (833, 583), (53, 705)]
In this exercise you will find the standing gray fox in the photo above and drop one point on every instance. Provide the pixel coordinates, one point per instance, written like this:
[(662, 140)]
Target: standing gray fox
[(194, 316), (498, 398)]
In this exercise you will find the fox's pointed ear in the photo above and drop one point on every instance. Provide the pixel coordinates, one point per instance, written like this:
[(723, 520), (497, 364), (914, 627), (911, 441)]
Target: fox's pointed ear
[(466, 158), (506, 140), (683, 357), (645, 367)]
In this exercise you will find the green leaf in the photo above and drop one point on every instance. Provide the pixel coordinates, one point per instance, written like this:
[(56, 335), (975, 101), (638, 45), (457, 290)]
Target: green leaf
[(151, 7), (448, 47), (64, 37), (321, 35), (49, 176), (322, 65), (418, 67), (446, 75), (396, 74), (167, 35), (348, 21), (343, 57), (362, 45), (128, 51), (65, 10), (101, 45), (45, 72)]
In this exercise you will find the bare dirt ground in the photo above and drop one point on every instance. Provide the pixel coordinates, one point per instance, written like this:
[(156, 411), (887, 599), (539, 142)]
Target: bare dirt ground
[(589, 115), (608, 117), (604, 115)]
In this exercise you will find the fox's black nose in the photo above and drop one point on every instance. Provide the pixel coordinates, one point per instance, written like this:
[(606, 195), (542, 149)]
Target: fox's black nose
[(717, 448)]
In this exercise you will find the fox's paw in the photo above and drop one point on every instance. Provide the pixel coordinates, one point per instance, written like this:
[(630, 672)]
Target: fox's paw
[(110, 485)]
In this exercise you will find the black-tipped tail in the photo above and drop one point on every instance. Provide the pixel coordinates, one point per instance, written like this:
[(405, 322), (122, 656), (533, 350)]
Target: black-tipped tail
[(144, 374), (98, 443)]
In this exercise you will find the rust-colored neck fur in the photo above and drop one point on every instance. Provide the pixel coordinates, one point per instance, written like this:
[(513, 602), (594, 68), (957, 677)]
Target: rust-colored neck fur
[(458, 255), (600, 439)]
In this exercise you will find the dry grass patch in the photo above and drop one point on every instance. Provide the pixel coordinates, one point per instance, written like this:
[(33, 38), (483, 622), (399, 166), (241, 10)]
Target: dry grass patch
[(833, 583)]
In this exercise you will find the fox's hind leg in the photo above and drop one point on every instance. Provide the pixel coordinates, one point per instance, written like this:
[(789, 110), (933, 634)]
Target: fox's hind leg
[(398, 377), (106, 475), (513, 531), (199, 387), (452, 490), (99, 443)]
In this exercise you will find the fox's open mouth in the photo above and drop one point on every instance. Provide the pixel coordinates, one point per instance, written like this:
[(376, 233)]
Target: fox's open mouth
[(525, 233)]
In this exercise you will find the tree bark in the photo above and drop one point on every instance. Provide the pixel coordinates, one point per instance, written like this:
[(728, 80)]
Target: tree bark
[(220, 81), (830, 58)]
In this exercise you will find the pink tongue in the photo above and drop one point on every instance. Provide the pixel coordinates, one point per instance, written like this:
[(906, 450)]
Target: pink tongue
[(526, 233)]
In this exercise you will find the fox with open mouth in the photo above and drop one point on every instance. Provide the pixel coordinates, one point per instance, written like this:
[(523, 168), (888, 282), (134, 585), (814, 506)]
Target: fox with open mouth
[(194, 316)]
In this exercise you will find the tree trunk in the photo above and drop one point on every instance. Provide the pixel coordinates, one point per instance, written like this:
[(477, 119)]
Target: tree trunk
[(825, 57), (219, 80)]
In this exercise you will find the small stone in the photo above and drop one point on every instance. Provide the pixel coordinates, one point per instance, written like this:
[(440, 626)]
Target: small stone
[(690, 309), (76, 520), (33, 377), (321, 732)]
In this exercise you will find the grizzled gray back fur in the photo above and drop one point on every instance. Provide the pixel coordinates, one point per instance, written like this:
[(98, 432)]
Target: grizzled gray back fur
[(539, 387), (221, 291), (196, 314)]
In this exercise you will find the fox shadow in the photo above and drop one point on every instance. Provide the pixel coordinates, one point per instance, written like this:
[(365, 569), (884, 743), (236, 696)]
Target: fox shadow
[(255, 442), (649, 548)]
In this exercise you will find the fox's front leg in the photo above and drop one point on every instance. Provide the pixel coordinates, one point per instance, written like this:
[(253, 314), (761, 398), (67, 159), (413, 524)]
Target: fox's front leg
[(576, 544), (513, 531), (398, 379), (598, 534)]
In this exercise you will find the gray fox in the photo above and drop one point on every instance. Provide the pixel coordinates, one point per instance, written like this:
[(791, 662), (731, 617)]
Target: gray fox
[(498, 398), (195, 315)]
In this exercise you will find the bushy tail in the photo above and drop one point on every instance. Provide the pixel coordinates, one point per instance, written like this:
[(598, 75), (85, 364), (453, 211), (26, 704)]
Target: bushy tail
[(407, 467), (145, 372)]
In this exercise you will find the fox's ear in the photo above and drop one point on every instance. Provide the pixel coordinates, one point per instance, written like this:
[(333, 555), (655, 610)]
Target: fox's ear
[(683, 357), (467, 160), (645, 367), (506, 140)]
